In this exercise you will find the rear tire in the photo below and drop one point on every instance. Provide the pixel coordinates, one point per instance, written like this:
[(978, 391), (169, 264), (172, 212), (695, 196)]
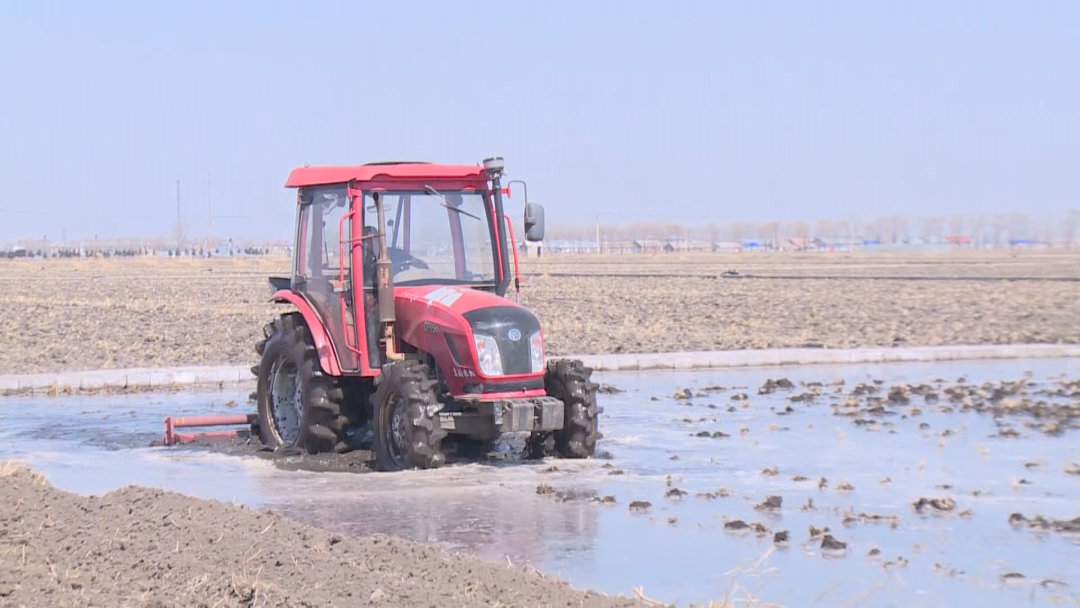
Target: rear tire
[(571, 382), (298, 405), (408, 432)]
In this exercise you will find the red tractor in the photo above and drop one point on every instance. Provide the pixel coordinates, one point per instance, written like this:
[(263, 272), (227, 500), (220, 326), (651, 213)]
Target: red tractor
[(402, 329)]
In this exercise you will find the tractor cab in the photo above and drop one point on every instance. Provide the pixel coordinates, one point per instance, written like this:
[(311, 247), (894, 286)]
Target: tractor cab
[(440, 225), (403, 328)]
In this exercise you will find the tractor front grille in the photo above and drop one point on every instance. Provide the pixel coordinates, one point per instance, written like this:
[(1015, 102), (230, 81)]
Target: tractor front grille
[(500, 322)]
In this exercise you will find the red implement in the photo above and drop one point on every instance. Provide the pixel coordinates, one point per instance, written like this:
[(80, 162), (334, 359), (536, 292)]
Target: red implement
[(171, 424)]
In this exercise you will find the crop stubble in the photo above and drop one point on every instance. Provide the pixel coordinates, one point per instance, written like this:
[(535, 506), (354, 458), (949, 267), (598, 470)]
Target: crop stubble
[(73, 315)]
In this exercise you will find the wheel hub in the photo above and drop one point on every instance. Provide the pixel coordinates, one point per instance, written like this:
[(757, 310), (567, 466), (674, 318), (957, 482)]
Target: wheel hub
[(286, 401), (399, 430)]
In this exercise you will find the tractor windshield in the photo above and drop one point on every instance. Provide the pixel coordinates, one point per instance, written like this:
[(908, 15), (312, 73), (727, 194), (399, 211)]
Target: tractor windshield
[(436, 237)]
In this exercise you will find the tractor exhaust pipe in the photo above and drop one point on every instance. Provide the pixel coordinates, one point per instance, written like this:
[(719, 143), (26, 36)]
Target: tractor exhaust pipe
[(384, 285)]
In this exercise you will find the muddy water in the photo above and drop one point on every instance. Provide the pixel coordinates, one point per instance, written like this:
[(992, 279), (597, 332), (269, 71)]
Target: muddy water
[(678, 550)]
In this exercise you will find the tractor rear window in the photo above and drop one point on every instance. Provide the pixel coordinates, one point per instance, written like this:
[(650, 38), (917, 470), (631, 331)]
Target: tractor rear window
[(436, 237)]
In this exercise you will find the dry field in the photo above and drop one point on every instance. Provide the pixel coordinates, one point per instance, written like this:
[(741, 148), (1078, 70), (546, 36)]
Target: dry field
[(89, 314)]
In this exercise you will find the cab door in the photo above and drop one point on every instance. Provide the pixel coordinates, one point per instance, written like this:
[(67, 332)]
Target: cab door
[(327, 272)]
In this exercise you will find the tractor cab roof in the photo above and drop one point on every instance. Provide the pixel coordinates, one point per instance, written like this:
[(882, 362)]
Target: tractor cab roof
[(394, 170)]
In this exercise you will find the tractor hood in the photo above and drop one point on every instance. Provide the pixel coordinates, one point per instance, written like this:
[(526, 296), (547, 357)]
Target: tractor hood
[(457, 312), (460, 300)]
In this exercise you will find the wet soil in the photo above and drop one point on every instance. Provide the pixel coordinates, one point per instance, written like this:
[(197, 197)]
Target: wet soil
[(904, 471), (148, 547), (361, 459)]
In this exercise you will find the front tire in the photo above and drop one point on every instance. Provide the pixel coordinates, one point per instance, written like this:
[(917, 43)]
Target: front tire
[(298, 406), (408, 433), (571, 382)]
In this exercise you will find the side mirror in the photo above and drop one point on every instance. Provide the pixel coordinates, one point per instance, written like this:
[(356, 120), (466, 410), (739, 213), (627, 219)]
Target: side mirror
[(534, 222)]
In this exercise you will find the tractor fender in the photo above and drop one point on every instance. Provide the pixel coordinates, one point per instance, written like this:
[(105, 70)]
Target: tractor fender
[(327, 357)]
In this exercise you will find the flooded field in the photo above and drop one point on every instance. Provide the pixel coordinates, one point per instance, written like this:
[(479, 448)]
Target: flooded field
[(931, 480)]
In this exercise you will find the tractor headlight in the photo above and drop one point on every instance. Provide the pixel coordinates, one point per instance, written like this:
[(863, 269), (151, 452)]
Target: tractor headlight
[(487, 355), (536, 352)]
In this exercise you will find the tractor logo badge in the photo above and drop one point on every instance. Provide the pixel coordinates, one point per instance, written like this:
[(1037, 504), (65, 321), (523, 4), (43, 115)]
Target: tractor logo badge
[(514, 334)]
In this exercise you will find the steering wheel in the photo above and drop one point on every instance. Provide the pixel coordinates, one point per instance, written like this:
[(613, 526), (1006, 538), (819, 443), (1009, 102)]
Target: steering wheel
[(401, 260)]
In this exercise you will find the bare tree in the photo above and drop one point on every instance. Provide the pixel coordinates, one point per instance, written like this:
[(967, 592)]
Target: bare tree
[(931, 228), (180, 233), (770, 232), (977, 224), (713, 233), (1072, 218), (1018, 226), (956, 225), (738, 231), (825, 229), (801, 230)]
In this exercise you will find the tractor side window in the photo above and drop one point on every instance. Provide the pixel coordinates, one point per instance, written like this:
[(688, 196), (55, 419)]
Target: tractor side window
[(328, 205), (300, 259)]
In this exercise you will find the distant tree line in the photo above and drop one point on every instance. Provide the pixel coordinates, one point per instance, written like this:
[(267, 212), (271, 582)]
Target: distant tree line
[(11, 252), (978, 230)]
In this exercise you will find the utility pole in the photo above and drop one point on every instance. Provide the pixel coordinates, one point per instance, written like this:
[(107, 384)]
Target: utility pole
[(178, 231), (597, 234), (209, 212)]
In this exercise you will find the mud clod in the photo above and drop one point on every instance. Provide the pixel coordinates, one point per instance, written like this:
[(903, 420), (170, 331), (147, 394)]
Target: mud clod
[(1043, 524), (640, 505), (736, 525), (675, 494), (1052, 584), (772, 386), (829, 543), (771, 472), (771, 503), (721, 493), (940, 505), (947, 571), (781, 537)]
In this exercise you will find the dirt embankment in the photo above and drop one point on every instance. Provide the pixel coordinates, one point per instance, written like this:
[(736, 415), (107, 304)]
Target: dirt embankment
[(76, 315), (147, 547)]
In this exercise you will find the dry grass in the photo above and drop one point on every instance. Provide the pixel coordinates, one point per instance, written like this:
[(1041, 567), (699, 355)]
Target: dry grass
[(89, 314)]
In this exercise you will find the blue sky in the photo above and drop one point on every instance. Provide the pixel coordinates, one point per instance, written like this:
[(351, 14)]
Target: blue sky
[(680, 111)]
